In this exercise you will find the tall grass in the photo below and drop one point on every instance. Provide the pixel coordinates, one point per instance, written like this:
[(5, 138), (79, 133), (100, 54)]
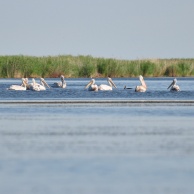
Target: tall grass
[(88, 66)]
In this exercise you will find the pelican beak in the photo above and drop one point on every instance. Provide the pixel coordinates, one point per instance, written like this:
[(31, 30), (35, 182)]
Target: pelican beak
[(88, 84), (170, 85), (45, 83), (112, 83)]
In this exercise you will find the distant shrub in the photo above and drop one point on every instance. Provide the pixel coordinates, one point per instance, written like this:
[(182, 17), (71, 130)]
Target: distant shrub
[(88, 66), (170, 71), (147, 68), (183, 69)]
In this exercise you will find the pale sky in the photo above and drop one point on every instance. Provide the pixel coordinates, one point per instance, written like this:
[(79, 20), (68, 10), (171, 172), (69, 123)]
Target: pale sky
[(121, 29)]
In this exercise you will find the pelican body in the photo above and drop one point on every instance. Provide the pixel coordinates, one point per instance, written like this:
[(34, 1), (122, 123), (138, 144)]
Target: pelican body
[(107, 87), (61, 84), (173, 86), (142, 87), (38, 87), (92, 86), (19, 87)]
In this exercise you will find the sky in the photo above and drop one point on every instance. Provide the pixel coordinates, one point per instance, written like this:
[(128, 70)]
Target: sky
[(120, 29)]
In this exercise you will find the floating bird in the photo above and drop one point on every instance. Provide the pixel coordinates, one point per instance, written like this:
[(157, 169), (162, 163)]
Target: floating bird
[(173, 86), (107, 87), (125, 87), (18, 87), (61, 84), (142, 87), (38, 87), (92, 86)]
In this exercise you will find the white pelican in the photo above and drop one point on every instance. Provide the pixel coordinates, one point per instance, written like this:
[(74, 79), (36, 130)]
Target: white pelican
[(18, 87), (92, 86), (173, 86), (106, 87), (38, 87), (142, 87), (61, 84)]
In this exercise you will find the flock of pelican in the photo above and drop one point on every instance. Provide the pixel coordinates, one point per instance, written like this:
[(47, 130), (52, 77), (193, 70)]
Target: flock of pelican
[(91, 86), (34, 86), (141, 88)]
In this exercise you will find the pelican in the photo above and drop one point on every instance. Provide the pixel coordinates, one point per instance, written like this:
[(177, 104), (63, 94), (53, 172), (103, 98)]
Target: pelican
[(61, 84), (38, 87), (92, 86), (142, 87), (106, 87), (173, 86), (18, 87)]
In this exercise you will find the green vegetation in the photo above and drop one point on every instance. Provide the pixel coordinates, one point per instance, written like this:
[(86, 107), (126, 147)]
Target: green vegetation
[(88, 66)]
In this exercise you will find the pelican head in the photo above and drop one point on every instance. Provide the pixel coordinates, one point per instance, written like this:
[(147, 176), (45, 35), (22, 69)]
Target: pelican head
[(63, 85), (90, 83), (173, 83), (62, 78), (24, 82), (44, 82), (111, 83), (33, 81), (142, 81)]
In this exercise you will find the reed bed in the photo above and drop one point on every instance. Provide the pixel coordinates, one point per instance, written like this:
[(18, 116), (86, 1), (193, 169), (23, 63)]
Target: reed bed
[(87, 66)]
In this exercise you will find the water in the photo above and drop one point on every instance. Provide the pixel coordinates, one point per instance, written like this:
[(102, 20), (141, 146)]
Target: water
[(157, 89), (97, 147)]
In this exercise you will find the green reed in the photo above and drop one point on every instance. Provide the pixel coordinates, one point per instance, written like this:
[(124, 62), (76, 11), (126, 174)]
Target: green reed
[(88, 66)]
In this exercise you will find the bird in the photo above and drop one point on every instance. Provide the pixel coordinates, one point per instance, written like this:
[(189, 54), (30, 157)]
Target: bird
[(92, 86), (61, 84), (38, 87), (173, 86), (142, 87), (125, 87), (18, 87), (107, 87)]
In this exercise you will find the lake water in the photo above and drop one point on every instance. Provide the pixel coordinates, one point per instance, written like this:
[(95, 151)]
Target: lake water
[(157, 89), (110, 146)]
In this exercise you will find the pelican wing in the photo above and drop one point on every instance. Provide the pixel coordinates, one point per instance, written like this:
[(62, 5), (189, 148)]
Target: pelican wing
[(17, 87), (140, 89), (57, 85), (175, 88), (104, 87)]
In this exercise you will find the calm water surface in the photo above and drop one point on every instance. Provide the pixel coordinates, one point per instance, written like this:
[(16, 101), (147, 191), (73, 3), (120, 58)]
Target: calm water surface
[(157, 89), (97, 148)]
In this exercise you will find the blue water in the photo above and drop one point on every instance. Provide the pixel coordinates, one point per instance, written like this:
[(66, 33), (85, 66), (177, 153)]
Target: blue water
[(48, 148)]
